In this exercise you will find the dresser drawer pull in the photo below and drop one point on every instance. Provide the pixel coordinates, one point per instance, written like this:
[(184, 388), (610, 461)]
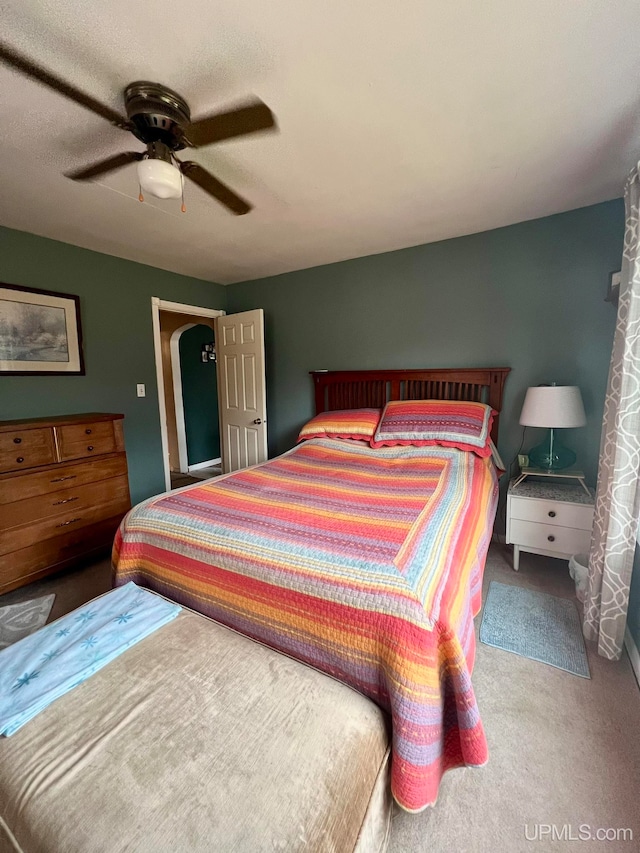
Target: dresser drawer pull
[(71, 521), (17, 441), (552, 514), (90, 447), (65, 501), (20, 459), (88, 431), (551, 538), (68, 477)]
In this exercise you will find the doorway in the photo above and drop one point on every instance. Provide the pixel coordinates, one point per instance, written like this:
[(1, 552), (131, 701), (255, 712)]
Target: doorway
[(184, 336)]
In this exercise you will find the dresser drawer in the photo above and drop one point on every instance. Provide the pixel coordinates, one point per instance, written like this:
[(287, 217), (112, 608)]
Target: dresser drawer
[(19, 487), (26, 448), (19, 567), (552, 512), (108, 502), (549, 537), (74, 499), (76, 441)]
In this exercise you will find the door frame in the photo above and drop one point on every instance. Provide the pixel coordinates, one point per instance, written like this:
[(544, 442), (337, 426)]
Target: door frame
[(158, 305)]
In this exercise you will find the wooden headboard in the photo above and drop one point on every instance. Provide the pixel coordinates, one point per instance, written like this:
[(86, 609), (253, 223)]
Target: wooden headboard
[(358, 389)]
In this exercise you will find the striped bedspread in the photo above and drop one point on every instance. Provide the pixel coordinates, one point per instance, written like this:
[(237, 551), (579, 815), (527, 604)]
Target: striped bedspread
[(364, 563)]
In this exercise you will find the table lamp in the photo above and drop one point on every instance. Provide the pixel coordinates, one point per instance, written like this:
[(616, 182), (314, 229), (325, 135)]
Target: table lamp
[(555, 407)]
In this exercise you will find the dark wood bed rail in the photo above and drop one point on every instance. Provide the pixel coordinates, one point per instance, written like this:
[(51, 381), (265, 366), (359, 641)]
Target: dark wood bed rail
[(357, 389)]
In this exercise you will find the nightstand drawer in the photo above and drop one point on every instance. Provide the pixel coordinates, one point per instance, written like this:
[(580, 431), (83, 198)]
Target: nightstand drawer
[(547, 537), (552, 512)]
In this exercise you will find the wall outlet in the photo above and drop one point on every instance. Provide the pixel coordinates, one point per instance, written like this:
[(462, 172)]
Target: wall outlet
[(523, 460), (141, 390)]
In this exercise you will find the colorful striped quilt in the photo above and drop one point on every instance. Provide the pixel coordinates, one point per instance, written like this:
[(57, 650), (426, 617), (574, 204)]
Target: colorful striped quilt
[(364, 563)]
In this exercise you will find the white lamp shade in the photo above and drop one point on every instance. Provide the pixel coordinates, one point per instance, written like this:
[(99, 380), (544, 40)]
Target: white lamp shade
[(553, 406), (159, 178)]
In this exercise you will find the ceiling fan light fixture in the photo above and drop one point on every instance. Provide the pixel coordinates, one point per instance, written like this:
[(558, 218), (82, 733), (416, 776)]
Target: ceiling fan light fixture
[(159, 178)]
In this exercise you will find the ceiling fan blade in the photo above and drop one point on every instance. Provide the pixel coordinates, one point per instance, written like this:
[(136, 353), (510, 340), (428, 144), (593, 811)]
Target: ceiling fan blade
[(11, 57), (108, 165), (249, 118), (214, 187)]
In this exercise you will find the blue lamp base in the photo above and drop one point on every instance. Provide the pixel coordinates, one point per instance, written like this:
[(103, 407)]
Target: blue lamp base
[(550, 455)]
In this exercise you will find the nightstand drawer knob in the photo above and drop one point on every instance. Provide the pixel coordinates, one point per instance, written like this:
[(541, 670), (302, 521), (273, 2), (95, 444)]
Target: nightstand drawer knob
[(90, 447), (552, 514), (20, 459), (17, 441), (551, 538)]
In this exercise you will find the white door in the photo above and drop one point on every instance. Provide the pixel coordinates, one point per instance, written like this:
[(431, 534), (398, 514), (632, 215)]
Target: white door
[(241, 389)]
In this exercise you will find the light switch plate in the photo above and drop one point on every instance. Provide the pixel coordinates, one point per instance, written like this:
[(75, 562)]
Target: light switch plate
[(141, 390)]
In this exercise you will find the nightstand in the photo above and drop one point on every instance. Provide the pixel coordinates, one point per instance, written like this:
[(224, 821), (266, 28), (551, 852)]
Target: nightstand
[(553, 519)]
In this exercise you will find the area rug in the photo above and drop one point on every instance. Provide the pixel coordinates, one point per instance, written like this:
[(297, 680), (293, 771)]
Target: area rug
[(20, 620), (535, 625)]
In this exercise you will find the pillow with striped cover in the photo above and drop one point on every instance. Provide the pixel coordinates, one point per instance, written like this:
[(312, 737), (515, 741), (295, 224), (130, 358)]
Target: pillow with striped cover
[(345, 423), (450, 423)]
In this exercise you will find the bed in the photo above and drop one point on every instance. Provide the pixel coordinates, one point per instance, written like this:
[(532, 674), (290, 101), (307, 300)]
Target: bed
[(198, 739), (364, 562)]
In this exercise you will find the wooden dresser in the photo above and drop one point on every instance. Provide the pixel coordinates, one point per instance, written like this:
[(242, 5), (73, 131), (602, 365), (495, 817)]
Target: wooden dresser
[(63, 492)]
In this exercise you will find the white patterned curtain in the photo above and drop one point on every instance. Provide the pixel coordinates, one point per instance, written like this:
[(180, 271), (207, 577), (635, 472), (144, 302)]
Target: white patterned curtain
[(618, 493)]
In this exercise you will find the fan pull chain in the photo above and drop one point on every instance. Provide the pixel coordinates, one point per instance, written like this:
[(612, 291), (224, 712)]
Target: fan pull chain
[(183, 207), (140, 196)]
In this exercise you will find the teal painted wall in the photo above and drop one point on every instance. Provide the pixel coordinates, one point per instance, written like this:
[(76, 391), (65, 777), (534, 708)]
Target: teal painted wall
[(199, 396), (529, 297), (115, 299), (633, 614)]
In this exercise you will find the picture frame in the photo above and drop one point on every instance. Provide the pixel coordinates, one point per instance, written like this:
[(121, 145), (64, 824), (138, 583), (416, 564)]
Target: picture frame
[(613, 291), (40, 332)]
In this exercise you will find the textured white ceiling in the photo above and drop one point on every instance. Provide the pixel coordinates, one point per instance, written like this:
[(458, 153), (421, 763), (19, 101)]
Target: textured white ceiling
[(400, 123)]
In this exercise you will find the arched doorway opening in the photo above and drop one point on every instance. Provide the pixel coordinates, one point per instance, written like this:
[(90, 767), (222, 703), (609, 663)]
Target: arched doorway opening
[(189, 383)]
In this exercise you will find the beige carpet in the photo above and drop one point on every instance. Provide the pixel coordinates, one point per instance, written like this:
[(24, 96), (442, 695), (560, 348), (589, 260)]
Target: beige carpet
[(72, 588), (178, 480), (563, 750)]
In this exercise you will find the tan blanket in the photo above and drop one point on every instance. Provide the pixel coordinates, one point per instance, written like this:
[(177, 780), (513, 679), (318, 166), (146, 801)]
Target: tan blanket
[(198, 739)]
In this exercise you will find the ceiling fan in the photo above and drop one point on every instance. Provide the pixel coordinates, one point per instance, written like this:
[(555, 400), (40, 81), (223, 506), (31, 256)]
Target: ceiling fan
[(159, 117)]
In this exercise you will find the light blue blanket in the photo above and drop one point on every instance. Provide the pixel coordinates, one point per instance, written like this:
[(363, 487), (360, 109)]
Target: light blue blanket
[(44, 666)]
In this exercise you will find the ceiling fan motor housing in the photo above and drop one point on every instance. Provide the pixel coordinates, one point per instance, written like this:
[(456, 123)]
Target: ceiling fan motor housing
[(157, 113)]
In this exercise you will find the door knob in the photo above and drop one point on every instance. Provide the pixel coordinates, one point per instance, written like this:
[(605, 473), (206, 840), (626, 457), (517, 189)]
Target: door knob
[(258, 421)]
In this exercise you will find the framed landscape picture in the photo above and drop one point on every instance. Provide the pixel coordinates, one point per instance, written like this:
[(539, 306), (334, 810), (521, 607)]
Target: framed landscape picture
[(40, 332)]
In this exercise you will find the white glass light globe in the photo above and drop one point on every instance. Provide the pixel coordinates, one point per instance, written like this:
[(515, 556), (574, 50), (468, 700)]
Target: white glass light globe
[(159, 178)]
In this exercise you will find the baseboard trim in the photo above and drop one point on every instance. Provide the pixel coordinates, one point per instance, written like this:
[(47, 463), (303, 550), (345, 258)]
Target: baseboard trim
[(207, 464), (634, 654)]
